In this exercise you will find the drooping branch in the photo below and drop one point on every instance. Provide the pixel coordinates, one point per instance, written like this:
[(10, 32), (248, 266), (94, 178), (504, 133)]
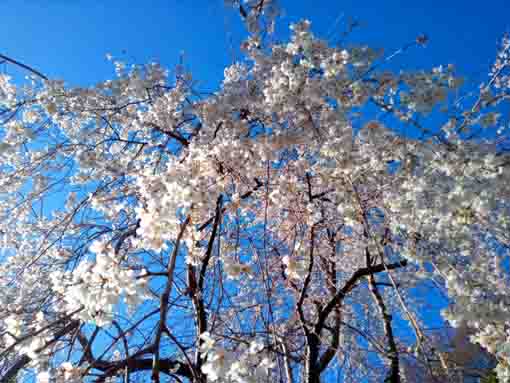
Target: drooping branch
[(24, 360), (195, 288), (24, 66), (173, 134), (167, 366), (164, 300), (331, 271), (349, 285), (208, 254), (244, 196), (311, 373), (13, 371), (394, 374), (86, 345)]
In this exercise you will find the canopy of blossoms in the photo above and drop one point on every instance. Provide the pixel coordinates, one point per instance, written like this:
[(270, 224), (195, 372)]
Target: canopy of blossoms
[(279, 229)]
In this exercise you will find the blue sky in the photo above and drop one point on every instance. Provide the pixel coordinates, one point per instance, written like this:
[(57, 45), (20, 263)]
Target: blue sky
[(68, 39)]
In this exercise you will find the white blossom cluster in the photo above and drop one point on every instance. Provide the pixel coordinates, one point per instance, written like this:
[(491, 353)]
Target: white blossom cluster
[(246, 365), (159, 220), (7, 90), (94, 289), (65, 373)]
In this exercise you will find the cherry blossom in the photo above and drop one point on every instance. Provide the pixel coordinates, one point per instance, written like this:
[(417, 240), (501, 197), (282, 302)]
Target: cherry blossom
[(277, 229)]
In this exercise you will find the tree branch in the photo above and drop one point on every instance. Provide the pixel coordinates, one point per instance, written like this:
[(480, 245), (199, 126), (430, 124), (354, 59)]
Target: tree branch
[(26, 67), (164, 301), (394, 374), (351, 283)]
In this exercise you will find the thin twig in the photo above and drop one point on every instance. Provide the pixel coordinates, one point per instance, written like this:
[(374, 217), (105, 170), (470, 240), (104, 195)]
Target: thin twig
[(21, 65)]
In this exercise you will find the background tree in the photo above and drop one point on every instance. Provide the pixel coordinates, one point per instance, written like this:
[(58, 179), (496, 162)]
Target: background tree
[(285, 228)]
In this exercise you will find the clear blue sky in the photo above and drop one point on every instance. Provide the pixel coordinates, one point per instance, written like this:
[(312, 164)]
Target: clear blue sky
[(69, 38)]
